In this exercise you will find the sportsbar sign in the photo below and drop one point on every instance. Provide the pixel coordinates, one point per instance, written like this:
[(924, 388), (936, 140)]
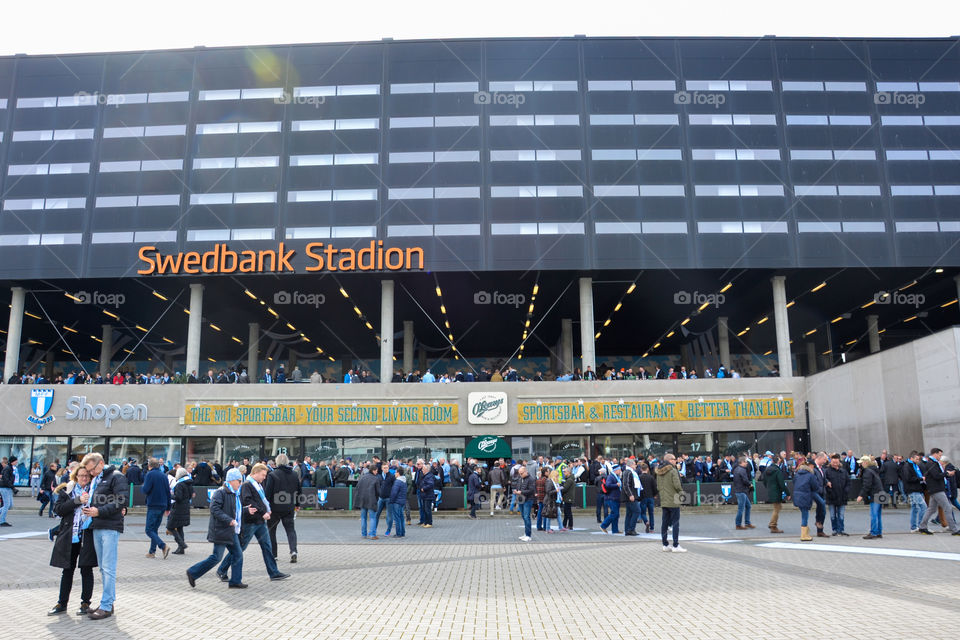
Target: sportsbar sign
[(655, 410), (329, 414), (320, 256)]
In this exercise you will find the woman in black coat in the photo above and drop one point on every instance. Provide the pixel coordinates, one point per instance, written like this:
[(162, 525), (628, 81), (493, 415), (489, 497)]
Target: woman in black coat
[(180, 508), (73, 545)]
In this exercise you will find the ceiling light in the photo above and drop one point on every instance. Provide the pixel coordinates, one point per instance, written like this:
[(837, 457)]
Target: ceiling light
[(791, 303), (530, 310), (938, 270), (910, 318), (236, 339), (72, 297), (762, 320), (905, 287), (954, 301), (344, 293), (369, 326), (66, 328), (438, 291), (836, 320), (112, 315), (818, 287), (158, 295), (249, 294), (291, 327), (686, 320), (631, 288), (617, 308), (36, 317), (443, 309), (703, 306), (141, 328), (868, 304), (766, 353), (596, 336), (606, 322), (97, 339), (670, 335), (214, 327), (811, 332), (656, 345), (725, 287), (273, 313)]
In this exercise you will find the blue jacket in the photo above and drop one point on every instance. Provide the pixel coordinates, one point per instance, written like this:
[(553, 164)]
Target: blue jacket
[(805, 484), (426, 485), (398, 492), (613, 487), (473, 486), (156, 488), (386, 485)]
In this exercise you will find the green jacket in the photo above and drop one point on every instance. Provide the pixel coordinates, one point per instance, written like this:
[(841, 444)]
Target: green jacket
[(776, 486), (668, 482)]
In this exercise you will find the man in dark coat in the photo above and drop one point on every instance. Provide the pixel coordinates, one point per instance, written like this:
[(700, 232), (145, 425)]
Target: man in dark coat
[(473, 491), (255, 514), (838, 484), (890, 475), (7, 483), (203, 474), (283, 491), (156, 489), (742, 488), (776, 489), (425, 486), (871, 488), (47, 483), (223, 532), (366, 497), (134, 473)]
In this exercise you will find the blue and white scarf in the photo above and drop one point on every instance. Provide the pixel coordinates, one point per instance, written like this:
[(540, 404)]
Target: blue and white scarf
[(74, 494), (179, 480), (236, 496), (86, 520), (256, 485)]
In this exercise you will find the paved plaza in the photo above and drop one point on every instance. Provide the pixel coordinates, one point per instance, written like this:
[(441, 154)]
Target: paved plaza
[(466, 578)]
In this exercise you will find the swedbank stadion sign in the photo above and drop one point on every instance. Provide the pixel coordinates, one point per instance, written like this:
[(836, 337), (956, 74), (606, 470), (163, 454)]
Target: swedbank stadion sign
[(487, 407), (319, 256)]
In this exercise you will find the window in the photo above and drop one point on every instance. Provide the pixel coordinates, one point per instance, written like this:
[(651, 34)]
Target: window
[(845, 86), (353, 232), (169, 96), (409, 230), (818, 227), (646, 119), (297, 233), (20, 240), (864, 227), (175, 164), (793, 85), (720, 227), (274, 93), (907, 154), (309, 196), (208, 235), (456, 229), (609, 85), (858, 190), (252, 234), (901, 121), (220, 94), (662, 190), (911, 190), (762, 226), (48, 239), (938, 121), (610, 119), (320, 160), (165, 130), (344, 195), (617, 190), (169, 235), (735, 154), (803, 120), (112, 237)]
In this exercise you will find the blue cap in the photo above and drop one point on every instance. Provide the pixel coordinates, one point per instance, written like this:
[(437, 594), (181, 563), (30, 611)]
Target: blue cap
[(234, 474)]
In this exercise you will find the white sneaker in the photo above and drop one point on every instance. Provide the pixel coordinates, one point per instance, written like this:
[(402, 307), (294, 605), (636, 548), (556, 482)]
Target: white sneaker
[(666, 549), (679, 549), (914, 530), (525, 538)]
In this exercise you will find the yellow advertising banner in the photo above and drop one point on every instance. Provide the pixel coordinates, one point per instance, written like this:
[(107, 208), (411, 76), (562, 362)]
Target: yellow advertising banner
[(322, 414), (655, 411)]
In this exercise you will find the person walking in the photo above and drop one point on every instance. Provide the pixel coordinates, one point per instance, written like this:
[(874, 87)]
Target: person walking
[(496, 479), (389, 475), (224, 532), (104, 514), (613, 486), (73, 545), (670, 490), (776, 490), (36, 471), (871, 488), (48, 480), (938, 479), (742, 488), (601, 494), (838, 485), (526, 492), (255, 513), (365, 499), (804, 488), (282, 489), (180, 508), (914, 484), (156, 489)]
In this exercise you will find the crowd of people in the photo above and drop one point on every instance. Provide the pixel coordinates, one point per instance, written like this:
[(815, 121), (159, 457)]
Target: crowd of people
[(238, 375), (255, 497)]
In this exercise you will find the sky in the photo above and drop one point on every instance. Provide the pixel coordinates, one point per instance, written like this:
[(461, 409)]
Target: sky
[(60, 26)]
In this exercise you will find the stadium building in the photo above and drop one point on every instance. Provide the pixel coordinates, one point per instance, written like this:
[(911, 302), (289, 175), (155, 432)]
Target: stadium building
[(772, 205)]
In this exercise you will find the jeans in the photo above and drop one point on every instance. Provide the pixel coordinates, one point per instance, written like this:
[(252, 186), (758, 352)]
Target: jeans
[(48, 505), (614, 516), (154, 518), (234, 559), (289, 525), (876, 526), (105, 542), (646, 512), (368, 515), (836, 517), (601, 506), (804, 516), (397, 510), (633, 514), (7, 494), (568, 515), (66, 580), (513, 502), (525, 507), (743, 508), (383, 504), (918, 508), (670, 517), (263, 538), (423, 516), (428, 511), (540, 519)]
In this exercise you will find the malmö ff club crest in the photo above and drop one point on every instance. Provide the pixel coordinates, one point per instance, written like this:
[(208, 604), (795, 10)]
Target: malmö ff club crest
[(41, 400)]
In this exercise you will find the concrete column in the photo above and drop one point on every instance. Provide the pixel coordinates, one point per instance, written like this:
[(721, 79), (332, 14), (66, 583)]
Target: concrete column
[(830, 355), (422, 360), (811, 358), (782, 325), (566, 346), (14, 328), (873, 333), (386, 330), (168, 363), (587, 345), (106, 350), (291, 362), (723, 342), (193, 329), (253, 348), (48, 365), (407, 346)]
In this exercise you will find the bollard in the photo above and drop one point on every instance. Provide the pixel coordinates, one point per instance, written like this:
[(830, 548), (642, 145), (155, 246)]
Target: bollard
[(698, 492), (350, 498)]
